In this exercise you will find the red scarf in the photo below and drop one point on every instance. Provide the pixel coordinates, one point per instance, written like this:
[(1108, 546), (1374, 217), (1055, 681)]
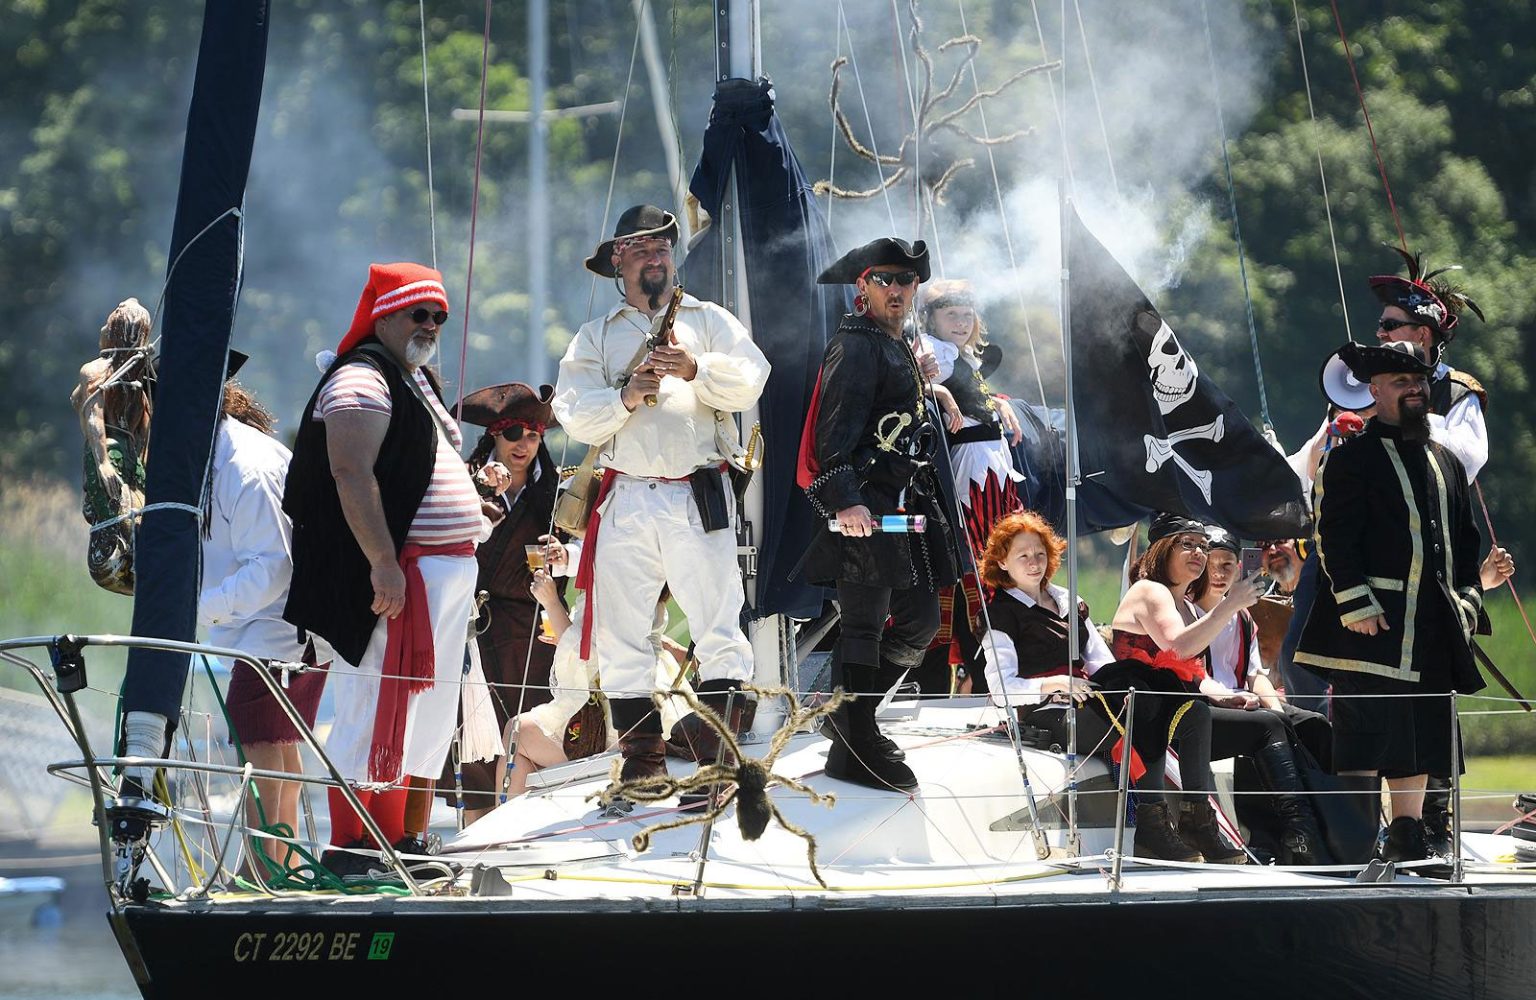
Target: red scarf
[(409, 661), (584, 578)]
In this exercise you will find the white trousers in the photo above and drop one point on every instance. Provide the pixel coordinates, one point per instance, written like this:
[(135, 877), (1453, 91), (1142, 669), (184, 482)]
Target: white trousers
[(651, 536), (432, 714)]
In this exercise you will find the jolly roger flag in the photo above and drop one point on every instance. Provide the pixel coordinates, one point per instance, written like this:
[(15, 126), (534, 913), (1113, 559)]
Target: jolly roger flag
[(1154, 431)]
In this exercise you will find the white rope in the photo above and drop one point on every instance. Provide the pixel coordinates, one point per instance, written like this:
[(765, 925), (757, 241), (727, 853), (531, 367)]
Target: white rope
[(853, 60), (1002, 212), (426, 116), (618, 144), (1322, 176)]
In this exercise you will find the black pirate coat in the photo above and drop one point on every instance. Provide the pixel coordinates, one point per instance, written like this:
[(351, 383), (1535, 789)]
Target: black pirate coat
[(1396, 537), (868, 414)]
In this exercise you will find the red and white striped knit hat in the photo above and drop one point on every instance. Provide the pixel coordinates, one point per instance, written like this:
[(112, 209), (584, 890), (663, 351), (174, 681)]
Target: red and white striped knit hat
[(392, 287)]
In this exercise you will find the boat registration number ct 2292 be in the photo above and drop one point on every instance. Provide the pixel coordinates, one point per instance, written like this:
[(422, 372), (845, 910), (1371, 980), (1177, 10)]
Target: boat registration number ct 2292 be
[(312, 946)]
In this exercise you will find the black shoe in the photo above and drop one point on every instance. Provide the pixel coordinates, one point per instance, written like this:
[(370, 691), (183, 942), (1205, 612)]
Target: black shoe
[(1437, 830), (426, 846), (855, 754), (343, 862), (1156, 838), (1405, 841), (865, 765), (1302, 842)]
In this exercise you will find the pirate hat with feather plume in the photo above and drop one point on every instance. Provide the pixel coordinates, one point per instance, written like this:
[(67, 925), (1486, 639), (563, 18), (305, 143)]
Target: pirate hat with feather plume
[(1426, 295)]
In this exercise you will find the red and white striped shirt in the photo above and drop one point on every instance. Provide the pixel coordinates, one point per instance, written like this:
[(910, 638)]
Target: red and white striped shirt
[(450, 510)]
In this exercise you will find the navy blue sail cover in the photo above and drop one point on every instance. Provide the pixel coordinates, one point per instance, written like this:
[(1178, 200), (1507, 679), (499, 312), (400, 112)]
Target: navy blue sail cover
[(202, 287), (786, 244)]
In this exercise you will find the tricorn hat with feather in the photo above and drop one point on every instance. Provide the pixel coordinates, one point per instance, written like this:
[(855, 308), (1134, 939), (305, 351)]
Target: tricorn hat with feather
[(1426, 295)]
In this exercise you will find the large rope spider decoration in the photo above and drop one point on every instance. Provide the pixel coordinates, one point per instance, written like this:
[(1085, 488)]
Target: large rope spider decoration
[(931, 120), (745, 782)]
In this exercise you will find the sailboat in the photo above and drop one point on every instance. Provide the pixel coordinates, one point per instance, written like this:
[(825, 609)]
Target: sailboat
[(1010, 870)]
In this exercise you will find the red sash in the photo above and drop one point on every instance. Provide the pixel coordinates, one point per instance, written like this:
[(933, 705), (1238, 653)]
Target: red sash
[(409, 661)]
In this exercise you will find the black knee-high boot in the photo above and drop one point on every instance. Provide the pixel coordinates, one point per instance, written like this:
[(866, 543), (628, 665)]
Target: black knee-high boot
[(1302, 842), (855, 754)]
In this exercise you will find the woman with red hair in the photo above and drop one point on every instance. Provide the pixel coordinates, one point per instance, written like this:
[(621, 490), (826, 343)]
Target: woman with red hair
[(1026, 652)]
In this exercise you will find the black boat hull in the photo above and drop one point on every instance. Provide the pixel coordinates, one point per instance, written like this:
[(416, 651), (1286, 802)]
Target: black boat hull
[(1366, 941)]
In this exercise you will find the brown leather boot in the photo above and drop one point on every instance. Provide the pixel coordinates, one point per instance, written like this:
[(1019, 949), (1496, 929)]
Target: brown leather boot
[(694, 739), (1197, 826), (645, 756), (1155, 836)]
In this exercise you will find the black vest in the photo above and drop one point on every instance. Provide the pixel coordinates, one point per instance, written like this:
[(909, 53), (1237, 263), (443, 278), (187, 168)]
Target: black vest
[(331, 594), (1039, 637)]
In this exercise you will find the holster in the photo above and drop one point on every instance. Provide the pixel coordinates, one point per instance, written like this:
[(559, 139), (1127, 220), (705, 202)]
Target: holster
[(708, 487)]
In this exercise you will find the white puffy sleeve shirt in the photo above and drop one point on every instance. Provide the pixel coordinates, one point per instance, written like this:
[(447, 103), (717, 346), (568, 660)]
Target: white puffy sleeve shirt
[(1003, 657), (677, 435)]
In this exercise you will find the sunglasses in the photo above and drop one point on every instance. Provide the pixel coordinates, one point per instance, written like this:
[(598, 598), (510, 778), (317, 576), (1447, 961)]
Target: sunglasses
[(420, 316), (886, 279), (1388, 325)]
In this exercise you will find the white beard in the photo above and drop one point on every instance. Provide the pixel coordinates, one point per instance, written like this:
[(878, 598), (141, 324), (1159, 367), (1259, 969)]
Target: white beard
[(418, 352)]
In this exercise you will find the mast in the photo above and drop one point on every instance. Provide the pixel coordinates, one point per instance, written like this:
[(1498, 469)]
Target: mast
[(202, 287), (738, 55), (538, 185)]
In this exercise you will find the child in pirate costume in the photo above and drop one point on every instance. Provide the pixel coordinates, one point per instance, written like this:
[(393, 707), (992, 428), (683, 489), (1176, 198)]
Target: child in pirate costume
[(1028, 671), (866, 452), (981, 461)]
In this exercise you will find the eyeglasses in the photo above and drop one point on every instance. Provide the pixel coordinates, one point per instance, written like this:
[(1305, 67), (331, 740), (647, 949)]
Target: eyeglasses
[(1193, 545), (1388, 325), (886, 279), (420, 316)]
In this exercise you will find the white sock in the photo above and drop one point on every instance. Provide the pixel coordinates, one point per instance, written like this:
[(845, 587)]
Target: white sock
[(144, 736)]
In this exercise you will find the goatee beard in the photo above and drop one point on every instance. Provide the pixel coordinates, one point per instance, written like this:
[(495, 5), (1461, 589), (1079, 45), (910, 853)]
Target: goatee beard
[(1415, 425), (653, 289)]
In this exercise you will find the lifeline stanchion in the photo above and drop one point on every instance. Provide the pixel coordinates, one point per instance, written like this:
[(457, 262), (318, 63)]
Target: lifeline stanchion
[(1123, 793), (1456, 864)]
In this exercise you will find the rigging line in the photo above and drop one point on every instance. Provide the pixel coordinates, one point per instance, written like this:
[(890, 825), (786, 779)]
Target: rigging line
[(858, 79), (1057, 103), (1093, 88), (917, 120), (1369, 128), (426, 116), (1333, 242), (1002, 212), (1237, 229), (618, 144), (474, 208)]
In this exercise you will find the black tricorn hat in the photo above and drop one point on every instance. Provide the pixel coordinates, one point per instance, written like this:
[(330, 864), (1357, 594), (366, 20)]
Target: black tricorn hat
[(885, 250), (637, 222), (1367, 360), (497, 407), (236, 361), (1165, 524)]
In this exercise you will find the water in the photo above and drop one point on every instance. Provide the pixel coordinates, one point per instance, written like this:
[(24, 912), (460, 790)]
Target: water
[(79, 959)]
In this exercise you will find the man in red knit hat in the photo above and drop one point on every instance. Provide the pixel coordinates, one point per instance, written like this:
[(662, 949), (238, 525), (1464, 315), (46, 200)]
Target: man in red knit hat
[(385, 523)]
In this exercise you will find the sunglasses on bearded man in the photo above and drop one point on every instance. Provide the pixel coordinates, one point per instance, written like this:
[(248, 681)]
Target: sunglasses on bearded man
[(886, 279), (420, 316)]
